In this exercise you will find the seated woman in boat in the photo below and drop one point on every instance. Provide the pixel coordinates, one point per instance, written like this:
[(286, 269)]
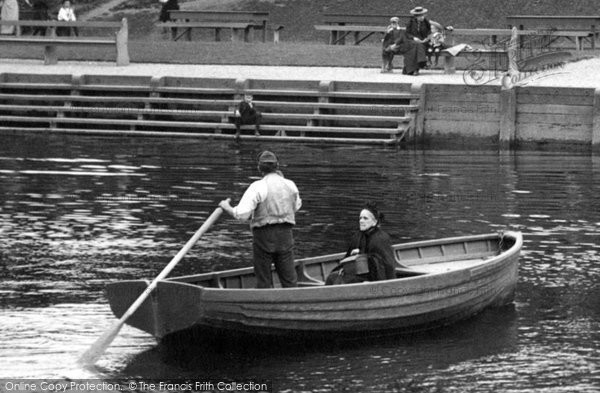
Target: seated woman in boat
[(370, 241)]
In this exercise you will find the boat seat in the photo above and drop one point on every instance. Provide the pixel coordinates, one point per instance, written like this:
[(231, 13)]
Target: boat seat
[(407, 272), (316, 283)]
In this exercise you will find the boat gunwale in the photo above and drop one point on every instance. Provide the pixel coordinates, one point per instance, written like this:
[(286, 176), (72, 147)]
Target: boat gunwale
[(339, 255), (487, 263)]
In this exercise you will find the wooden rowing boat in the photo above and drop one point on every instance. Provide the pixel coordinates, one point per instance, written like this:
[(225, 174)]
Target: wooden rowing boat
[(447, 280)]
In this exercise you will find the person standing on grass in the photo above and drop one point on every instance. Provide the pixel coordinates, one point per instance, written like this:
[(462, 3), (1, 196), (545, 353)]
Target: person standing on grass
[(167, 5), (66, 13), (270, 204), (164, 16), (10, 11), (41, 12)]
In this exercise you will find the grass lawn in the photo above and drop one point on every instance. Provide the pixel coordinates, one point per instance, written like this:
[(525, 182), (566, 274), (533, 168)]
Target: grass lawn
[(290, 54), (301, 44)]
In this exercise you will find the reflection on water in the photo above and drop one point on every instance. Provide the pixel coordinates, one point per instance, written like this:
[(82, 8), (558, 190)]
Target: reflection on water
[(77, 212)]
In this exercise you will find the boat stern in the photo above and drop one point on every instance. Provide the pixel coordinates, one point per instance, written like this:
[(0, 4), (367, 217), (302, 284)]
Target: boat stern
[(172, 306)]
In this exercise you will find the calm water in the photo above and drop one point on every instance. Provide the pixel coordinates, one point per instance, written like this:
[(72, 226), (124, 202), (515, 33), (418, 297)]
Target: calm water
[(78, 212)]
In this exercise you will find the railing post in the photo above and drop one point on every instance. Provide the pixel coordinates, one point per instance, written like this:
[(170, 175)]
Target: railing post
[(418, 131), (155, 83), (264, 31), (276, 33), (122, 41), (596, 121), (508, 118), (508, 97), (324, 88)]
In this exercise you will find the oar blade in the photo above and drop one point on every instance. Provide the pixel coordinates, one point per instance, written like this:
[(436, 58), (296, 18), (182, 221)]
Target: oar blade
[(95, 351), (90, 356)]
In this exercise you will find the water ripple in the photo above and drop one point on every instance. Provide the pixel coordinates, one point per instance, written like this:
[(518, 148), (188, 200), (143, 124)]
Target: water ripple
[(78, 212)]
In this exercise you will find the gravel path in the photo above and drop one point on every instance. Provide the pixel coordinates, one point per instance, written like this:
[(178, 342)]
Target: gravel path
[(585, 73), (103, 9)]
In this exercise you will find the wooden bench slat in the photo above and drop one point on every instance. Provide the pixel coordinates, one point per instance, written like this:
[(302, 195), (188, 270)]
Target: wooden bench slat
[(219, 15), (316, 93), (462, 32), (312, 116), (226, 25), (35, 86), (331, 105), (197, 113), (55, 23), (188, 124), (248, 21), (191, 101), (508, 32), (360, 94), (377, 29), (50, 42), (124, 88), (187, 90), (346, 18), (195, 134), (57, 40)]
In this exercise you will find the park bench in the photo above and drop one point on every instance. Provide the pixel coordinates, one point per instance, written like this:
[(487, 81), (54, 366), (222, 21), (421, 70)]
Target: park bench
[(576, 28), (494, 37), (51, 41), (494, 55), (292, 110), (340, 25), (242, 24), (478, 59)]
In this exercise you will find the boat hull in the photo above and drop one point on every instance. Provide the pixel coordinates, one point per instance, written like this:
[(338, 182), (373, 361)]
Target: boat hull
[(480, 272)]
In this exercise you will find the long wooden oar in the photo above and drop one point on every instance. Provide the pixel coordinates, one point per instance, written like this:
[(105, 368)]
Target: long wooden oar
[(93, 353)]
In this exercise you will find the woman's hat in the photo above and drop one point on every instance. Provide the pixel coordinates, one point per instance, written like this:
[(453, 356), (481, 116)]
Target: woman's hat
[(418, 11), (395, 19)]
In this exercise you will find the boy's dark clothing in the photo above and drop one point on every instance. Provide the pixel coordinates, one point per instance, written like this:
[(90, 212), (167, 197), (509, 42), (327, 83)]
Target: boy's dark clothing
[(248, 115)]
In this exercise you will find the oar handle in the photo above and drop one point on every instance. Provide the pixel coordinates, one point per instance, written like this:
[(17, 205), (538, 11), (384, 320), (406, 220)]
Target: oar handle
[(165, 272)]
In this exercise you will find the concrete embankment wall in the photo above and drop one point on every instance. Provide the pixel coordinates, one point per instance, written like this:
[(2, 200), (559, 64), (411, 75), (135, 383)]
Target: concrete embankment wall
[(512, 117)]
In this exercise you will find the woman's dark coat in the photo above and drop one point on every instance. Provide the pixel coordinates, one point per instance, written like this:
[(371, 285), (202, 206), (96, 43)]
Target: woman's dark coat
[(377, 245)]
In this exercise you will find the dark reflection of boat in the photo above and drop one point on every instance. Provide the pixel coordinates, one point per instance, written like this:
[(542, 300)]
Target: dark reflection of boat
[(447, 280), (489, 333)]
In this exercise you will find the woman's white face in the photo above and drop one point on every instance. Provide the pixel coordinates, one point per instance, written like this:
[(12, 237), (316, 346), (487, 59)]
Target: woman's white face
[(366, 220)]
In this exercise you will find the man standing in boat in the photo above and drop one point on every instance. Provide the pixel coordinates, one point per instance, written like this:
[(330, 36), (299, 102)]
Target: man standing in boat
[(270, 204)]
